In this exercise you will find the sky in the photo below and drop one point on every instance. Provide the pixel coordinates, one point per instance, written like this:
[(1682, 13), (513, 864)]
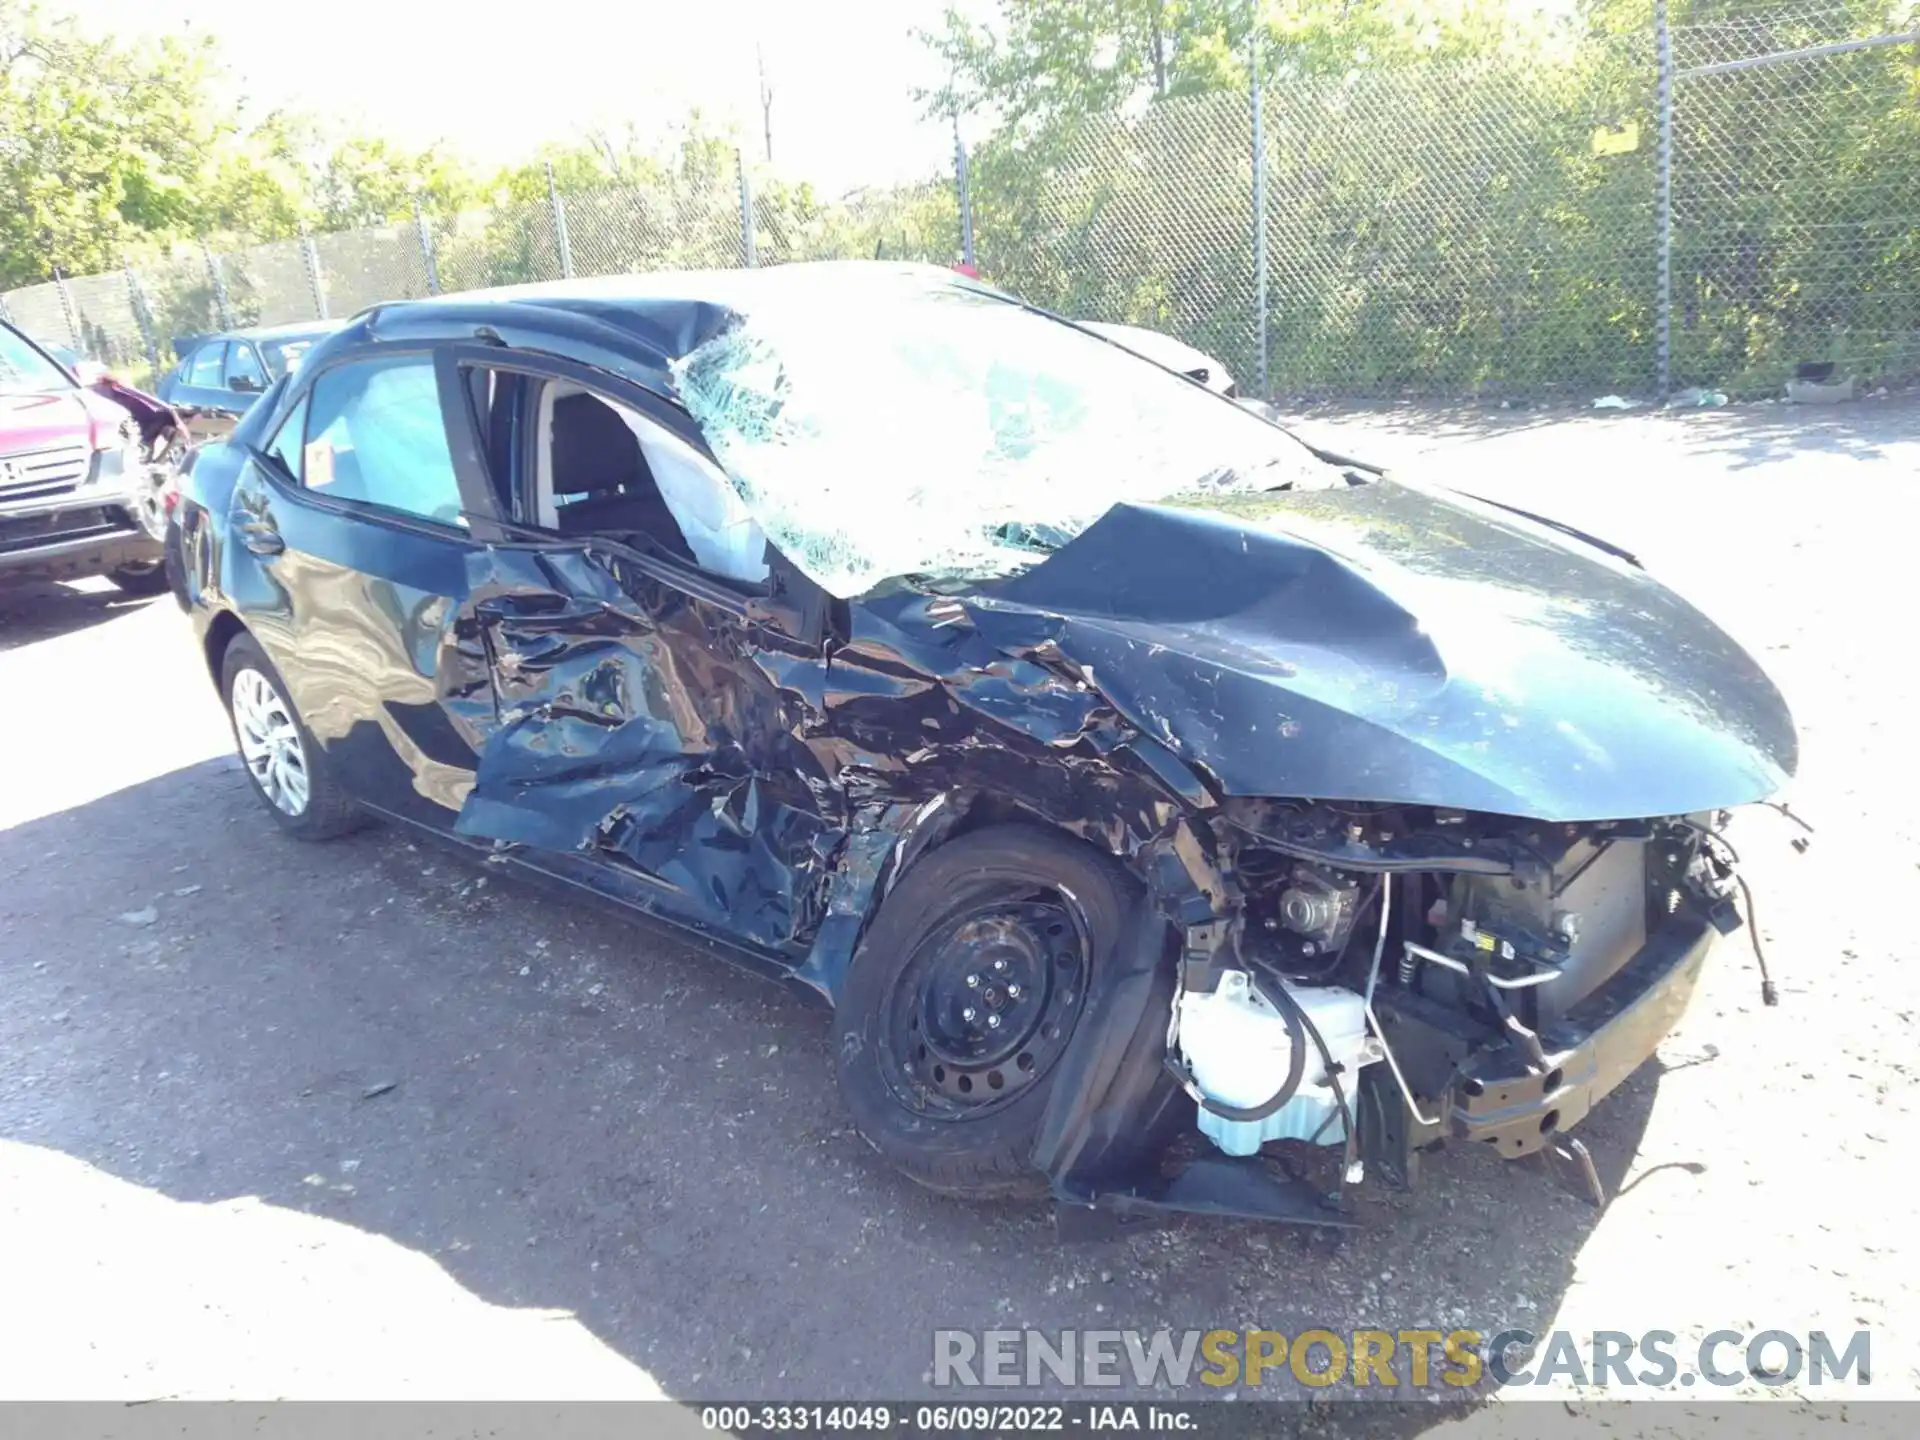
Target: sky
[(494, 81)]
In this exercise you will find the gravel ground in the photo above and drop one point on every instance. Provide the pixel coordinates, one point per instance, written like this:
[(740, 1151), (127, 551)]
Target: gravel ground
[(361, 1120)]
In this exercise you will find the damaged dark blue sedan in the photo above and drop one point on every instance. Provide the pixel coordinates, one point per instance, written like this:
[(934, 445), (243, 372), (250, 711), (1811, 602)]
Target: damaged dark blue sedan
[(1159, 803)]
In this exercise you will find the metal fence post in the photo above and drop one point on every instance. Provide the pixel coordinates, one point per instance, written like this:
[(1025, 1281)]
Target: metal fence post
[(143, 317), (66, 309), (559, 225), (426, 249), (747, 254), (964, 185), (1257, 99), (1663, 207), (223, 312), (314, 278)]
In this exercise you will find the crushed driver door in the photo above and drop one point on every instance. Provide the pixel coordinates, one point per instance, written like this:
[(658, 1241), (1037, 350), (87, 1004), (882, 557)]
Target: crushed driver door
[(653, 722)]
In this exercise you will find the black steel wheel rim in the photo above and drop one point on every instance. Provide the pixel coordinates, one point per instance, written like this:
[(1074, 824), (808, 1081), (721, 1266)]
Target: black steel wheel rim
[(985, 1005)]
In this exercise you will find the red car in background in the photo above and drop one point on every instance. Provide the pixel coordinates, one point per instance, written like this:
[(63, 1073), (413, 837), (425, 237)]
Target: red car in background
[(85, 468)]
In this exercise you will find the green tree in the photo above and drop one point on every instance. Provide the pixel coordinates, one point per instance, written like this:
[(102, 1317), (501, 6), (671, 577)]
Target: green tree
[(1040, 65), (104, 142), (256, 183), (1438, 215), (364, 180)]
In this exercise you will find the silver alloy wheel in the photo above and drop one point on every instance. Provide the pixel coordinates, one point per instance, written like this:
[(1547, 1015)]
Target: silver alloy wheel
[(150, 498), (269, 741)]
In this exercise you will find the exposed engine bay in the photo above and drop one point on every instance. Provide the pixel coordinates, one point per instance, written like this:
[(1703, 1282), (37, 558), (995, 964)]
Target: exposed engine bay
[(1380, 980)]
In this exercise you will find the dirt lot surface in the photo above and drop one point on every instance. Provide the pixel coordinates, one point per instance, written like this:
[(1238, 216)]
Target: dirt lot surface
[(359, 1120)]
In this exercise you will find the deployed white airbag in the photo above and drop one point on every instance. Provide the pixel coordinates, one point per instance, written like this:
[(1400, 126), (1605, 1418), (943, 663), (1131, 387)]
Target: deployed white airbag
[(718, 527)]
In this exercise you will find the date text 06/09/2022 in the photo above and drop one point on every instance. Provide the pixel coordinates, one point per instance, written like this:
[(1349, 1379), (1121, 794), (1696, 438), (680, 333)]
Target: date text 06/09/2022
[(1086, 1417)]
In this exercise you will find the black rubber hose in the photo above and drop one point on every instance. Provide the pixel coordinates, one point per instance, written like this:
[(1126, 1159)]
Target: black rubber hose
[(1290, 1012), (1768, 994), (1333, 1076)]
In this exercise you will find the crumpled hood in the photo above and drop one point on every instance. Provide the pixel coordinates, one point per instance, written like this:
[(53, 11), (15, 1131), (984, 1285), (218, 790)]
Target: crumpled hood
[(1385, 643)]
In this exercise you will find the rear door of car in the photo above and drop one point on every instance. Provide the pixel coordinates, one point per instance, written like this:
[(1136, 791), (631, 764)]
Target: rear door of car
[(351, 565), (200, 393), (246, 376)]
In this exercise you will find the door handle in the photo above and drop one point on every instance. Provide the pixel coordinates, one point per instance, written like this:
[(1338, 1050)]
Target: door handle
[(261, 538)]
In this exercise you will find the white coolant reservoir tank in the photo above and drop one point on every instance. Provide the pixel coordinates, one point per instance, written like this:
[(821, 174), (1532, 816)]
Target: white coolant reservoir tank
[(1237, 1048)]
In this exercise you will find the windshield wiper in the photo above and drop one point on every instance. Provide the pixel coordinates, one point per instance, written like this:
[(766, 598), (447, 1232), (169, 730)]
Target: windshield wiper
[(1605, 547)]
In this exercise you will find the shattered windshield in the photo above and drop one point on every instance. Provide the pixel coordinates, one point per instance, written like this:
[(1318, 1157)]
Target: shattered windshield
[(941, 432)]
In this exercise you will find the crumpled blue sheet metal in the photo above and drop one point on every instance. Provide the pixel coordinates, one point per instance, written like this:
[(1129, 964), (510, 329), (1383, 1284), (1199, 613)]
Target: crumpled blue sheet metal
[(757, 785)]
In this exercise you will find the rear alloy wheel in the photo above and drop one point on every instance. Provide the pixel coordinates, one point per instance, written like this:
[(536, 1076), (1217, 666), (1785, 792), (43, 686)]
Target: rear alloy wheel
[(287, 770), (966, 992), (270, 742)]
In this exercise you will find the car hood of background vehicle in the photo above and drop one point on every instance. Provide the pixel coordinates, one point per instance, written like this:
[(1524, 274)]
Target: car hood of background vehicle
[(1385, 643), (43, 419)]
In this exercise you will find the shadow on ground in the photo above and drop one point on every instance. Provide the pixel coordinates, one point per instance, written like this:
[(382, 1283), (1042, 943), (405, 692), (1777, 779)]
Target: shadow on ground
[(32, 611), (566, 1111), (1763, 434)]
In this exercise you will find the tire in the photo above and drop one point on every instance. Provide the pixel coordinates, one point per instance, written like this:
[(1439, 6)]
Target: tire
[(175, 567), (142, 578), (150, 500), (323, 810), (957, 1116)]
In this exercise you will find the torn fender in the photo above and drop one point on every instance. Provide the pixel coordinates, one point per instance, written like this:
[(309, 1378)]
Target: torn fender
[(765, 790)]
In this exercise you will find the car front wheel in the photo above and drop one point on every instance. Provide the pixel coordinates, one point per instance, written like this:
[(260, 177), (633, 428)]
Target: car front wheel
[(285, 766), (139, 577), (963, 997)]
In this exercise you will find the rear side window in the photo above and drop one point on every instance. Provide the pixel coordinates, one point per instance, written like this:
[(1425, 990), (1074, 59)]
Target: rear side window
[(284, 358), (375, 434), (243, 369), (205, 366)]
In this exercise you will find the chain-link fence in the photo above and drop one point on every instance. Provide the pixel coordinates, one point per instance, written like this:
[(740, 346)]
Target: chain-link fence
[(1718, 202), (1796, 196), (1497, 225), (1146, 220), (1446, 228), (1455, 229), (913, 222)]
